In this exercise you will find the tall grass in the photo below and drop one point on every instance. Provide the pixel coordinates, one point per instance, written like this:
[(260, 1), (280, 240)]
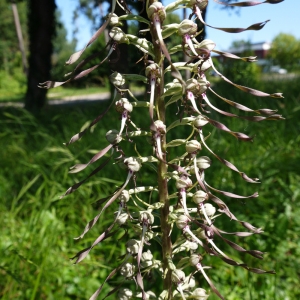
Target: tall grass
[(37, 228)]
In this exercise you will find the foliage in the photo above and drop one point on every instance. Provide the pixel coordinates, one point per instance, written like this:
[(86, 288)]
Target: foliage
[(285, 51)]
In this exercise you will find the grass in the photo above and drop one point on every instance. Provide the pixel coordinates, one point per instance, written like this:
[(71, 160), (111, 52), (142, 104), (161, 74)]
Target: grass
[(38, 227)]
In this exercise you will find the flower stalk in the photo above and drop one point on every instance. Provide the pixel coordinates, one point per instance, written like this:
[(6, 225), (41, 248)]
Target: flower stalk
[(148, 213)]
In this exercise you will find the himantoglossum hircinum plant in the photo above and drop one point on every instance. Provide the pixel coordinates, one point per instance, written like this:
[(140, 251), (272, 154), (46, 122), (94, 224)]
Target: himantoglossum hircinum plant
[(182, 198)]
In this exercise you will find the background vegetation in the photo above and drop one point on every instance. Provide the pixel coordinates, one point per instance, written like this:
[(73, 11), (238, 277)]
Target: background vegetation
[(37, 228)]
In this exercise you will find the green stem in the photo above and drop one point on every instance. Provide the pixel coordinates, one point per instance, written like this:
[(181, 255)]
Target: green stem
[(162, 168)]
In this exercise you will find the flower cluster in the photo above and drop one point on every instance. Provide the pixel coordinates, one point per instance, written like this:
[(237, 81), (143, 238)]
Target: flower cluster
[(193, 207)]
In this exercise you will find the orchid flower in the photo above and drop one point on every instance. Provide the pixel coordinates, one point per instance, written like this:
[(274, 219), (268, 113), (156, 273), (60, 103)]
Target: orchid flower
[(178, 277), (124, 107)]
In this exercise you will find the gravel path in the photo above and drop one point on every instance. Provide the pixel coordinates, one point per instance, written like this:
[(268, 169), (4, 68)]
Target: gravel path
[(70, 100)]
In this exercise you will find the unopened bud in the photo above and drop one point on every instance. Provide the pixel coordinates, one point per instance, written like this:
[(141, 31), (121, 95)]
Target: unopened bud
[(113, 20), (178, 276), (200, 233), (127, 270), (133, 164), (187, 27), (182, 221), (207, 45), (203, 162), (117, 79), (200, 294), (200, 196), (200, 3), (210, 210), (192, 146), (132, 246), (122, 218), (125, 294), (146, 259), (118, 35), (195, 259), (200, 121), (113, 136)]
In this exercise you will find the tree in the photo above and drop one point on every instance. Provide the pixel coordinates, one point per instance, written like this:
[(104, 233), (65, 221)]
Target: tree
[(285, 51), (41, 28)]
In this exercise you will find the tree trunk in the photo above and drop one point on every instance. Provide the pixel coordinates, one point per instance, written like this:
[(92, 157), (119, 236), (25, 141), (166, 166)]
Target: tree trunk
[(20, 36), (41, 26)]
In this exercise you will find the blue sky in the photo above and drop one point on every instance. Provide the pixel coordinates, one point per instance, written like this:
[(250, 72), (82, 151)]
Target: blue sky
[(284, 17)]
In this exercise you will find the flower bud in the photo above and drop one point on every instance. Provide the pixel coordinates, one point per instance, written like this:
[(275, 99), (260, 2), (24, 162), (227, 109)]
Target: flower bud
[(209, 209), (195, 259), (200, 196), (113, 137), (125, 294), (118, 35), (146, 259), (182, 221), (200, 3), (146, 216), (200, 294), (127, 270), (183, 183), (117, 79), (132, 246), (192, 146), (133, 164), (122, 218), (178, 276), (203, 162), (149, 235), (200, 233), (200, 121), (124, 196), (187, 27), (123, 104), (207, 45), (158, 8), (113, 20)]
